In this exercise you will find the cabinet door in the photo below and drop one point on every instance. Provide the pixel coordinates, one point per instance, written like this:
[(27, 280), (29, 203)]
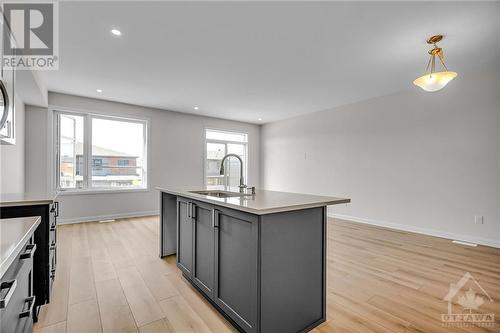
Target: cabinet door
[(17, 313), (184, 237), (236, 280), (204, 247)]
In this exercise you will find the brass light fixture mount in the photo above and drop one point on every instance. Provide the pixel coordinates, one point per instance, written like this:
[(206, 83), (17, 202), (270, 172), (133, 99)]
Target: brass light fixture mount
[(434, 39), (435, 51)]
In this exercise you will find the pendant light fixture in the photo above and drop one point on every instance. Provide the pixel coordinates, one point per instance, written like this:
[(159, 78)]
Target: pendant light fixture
[(434, 81)]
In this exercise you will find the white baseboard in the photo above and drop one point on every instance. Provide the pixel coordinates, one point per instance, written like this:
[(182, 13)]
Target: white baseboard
[(105, 217), (419, 230)]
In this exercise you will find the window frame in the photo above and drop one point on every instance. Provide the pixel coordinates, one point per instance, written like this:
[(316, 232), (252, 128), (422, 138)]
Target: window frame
[(226, 142), (87, 148)]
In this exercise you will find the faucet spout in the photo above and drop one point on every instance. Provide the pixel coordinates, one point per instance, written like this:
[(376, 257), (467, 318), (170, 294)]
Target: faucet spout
[(222, 170)]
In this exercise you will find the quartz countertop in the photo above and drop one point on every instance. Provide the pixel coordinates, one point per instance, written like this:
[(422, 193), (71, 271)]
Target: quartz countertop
[(263, 202), (27, 198), (14, 234)]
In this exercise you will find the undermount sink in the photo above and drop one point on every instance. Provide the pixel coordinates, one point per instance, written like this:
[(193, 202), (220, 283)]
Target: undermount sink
[(220, 193)]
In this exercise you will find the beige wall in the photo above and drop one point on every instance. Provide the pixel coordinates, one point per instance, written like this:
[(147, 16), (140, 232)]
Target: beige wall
[(12, 156), (176, 156), (425, 162)]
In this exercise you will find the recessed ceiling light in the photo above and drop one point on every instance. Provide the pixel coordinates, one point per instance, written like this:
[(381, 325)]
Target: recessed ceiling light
[(116, 32), (99, 90), (259, 119), (196, 108)]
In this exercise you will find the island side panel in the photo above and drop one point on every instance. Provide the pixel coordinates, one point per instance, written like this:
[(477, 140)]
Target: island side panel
[(293, 268), (168, 224)]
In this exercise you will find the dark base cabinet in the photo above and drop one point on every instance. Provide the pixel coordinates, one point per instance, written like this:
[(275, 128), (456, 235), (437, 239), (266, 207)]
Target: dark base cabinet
[(45, 257), (265, 273), (185, 237), (236, 257), (203, 238), (17, 312)]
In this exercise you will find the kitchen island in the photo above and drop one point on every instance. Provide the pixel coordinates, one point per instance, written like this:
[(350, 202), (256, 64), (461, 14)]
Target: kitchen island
[(259, 259)]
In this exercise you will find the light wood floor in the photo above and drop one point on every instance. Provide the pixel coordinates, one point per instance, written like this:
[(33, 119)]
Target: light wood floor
[(109, 279)]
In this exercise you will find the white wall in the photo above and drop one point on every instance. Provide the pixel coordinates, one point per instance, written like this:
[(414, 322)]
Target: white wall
[(36, 149), (12, 156), (425, 162), (176, 156)]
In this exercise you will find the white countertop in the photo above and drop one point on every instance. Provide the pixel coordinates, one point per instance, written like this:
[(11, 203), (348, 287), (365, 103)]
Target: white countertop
[(27, 198), (263, 202), (14, 234)]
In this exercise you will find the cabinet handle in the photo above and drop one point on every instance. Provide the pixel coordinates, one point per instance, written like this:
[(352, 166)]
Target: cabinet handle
[(11, 285), (29, 252), (52, 246), (193, 210), (57, 208), (28, 312), (53, 227), (188, 209), (215, 218)]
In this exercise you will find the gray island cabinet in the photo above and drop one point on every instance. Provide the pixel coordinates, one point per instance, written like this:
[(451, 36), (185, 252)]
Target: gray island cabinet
[(260, 260)]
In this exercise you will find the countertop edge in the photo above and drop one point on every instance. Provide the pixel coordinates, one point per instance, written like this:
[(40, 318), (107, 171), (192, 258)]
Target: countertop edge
[(289, 208), (28, 202), (5, 265), (25, 203)]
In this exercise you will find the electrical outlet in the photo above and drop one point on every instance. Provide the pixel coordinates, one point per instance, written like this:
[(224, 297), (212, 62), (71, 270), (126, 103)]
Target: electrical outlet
[(478, 219)]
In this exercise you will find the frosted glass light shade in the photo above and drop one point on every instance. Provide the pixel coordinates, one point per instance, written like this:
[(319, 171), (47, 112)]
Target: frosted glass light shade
[(435, 81)]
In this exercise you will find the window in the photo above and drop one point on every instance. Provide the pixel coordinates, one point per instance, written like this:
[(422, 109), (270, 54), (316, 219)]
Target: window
[(218, 144), (123, 163), (100, 152), (70, 146)]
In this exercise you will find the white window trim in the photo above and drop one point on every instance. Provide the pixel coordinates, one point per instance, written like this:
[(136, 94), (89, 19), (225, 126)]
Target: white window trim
[(205, 141), (52, 163)]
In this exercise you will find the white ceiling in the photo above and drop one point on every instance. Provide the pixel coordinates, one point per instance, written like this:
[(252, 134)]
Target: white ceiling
[(269, 60)]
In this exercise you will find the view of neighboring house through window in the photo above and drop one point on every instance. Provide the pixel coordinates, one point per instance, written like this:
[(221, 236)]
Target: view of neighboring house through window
[(218, 144), (99, 152), (119, 145)]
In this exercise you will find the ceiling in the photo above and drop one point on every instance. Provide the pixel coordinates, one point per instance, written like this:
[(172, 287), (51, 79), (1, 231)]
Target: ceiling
[(269, 60)]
